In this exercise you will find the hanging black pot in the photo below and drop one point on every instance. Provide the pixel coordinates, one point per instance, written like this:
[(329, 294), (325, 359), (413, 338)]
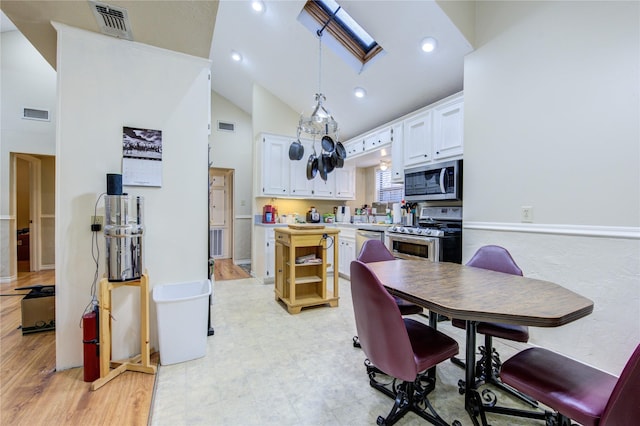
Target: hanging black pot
[(327, 144), (338, 162), (342, 153), (327, 161), (312, 166), (296, 150), (322, 167)]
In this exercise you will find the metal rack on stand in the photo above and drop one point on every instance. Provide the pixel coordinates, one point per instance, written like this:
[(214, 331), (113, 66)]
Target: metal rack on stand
[(141, 363)]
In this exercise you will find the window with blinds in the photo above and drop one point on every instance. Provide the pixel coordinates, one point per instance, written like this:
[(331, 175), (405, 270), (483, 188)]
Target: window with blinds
[(387, 191)]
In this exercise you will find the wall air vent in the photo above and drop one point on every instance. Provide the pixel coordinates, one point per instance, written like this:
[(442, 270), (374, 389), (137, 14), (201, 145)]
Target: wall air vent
[(112, 20), (226, 127), (35, 114)]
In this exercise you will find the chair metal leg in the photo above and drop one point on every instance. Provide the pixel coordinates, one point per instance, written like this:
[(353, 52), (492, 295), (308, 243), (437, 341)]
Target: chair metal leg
[(401, 406), (488, 370), (457, 361), (408, 396), (356, 342)]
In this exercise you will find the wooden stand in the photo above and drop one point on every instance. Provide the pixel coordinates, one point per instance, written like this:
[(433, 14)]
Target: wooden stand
[(300, 285), (140, 363)]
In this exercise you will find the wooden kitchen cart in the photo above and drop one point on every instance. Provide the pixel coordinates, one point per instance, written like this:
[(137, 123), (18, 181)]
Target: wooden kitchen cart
[(141, 363), (304, 284)]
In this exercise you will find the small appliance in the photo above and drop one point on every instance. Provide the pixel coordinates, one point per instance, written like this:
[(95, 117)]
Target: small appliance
[(313, 216), (269, 214), (343, 214), (441, 181)]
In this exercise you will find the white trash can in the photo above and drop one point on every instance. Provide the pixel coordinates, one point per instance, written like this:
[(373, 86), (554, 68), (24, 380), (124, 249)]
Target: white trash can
[(182, 311)]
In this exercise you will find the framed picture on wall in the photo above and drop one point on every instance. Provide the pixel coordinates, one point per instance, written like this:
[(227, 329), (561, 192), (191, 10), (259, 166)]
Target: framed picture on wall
[(141, 157)]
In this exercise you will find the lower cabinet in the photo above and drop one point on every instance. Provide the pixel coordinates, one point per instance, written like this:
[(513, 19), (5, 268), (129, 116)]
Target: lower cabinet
[(347, 251), (264, 260)]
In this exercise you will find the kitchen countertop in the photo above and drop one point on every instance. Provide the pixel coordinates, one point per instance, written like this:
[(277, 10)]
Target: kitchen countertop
[(366, 226)]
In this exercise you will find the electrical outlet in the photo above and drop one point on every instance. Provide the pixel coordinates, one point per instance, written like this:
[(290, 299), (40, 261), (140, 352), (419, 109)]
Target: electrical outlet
[(97, 220), (526, 214)]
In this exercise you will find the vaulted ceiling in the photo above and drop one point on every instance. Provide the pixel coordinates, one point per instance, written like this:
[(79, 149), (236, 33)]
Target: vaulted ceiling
[(281, 55)]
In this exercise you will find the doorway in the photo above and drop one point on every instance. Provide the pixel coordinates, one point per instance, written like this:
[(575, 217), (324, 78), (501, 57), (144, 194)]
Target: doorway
[(221, 213), (33, 195)]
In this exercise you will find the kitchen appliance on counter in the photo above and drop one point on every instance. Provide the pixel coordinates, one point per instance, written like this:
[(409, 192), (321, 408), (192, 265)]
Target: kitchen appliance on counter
[(442, 181), (269, 214), (313, 216), (437, 236), (343, 214)]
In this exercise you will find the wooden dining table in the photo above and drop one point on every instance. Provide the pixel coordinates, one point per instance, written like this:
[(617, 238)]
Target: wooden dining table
[(475, 295)]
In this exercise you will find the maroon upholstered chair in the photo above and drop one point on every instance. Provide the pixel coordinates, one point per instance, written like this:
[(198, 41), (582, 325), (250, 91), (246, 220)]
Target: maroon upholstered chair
[(495, 258), (398, 347), (575, 390), (376, 251)]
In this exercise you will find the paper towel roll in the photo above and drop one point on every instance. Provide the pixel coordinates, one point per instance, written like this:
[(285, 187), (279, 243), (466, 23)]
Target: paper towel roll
[(397, 214)]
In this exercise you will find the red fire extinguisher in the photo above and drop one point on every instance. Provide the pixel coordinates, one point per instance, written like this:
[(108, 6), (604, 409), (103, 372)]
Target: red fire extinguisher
[(91, 345)]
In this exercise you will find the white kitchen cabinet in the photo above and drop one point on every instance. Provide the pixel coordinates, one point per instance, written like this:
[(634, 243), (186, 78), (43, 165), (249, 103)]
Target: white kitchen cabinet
[(418, 139), (354, 147), (275, 165), (346, 251), (345, 183), (397, 153), (377, 140), (299, 185), (325, 189), (264, 259), (448, 132)]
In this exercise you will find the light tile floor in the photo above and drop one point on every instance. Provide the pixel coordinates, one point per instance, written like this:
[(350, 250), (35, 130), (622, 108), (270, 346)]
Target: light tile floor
[(267, 367)]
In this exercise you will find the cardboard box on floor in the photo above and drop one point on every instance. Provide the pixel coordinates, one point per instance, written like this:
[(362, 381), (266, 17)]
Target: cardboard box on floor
[(38, 309)]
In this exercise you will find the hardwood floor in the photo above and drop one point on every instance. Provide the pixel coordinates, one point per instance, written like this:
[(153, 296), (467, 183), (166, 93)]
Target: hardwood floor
[(224, 269), (33, 393)]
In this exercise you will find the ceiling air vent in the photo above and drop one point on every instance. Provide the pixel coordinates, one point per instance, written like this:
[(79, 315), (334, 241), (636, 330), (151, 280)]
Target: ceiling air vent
[(112, 20), (35, 114), (227, 127)]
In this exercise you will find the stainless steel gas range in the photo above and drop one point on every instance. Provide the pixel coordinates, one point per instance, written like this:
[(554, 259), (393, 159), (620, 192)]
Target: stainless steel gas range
[(437, 237)]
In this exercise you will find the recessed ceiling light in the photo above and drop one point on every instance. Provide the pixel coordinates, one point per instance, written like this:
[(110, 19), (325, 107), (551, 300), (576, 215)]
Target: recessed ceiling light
[(359, 92), (236, 56), (429, 44), (258, 6)]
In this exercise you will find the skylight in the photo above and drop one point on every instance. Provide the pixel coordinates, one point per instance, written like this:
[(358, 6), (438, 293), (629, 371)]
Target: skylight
[(331, 18)]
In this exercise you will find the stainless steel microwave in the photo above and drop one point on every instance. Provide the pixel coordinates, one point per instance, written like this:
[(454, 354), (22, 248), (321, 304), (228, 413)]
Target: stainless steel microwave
[(440, 181)]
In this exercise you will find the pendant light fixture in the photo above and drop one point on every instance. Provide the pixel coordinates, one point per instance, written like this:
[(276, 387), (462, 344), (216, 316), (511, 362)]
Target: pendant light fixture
[(320, 125)]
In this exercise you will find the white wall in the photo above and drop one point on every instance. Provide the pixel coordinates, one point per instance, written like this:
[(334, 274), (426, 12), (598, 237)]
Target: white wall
[(233, 150), (104, 84), (552, 121), (27, 80)]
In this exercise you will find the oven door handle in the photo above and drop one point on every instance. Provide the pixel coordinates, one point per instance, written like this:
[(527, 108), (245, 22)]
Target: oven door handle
[(443, 174)]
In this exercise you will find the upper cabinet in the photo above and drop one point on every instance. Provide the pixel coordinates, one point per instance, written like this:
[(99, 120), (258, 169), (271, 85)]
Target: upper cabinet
[(448, 129), (275, 165), (378, 139), (368, 142), (299, 185), (418, 139), (432, 133), (282, 177), (345, 182)]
